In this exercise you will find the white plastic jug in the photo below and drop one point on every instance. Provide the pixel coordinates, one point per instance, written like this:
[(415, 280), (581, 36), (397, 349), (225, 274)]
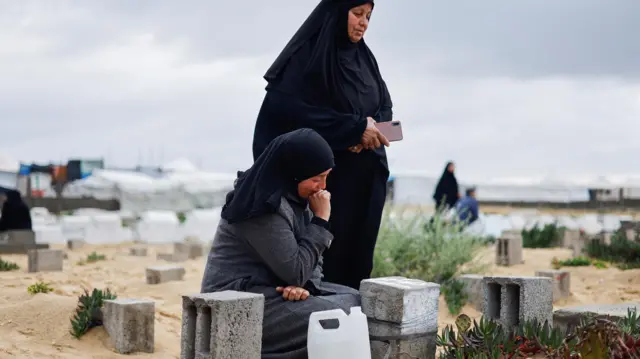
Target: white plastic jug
[(349, 340)]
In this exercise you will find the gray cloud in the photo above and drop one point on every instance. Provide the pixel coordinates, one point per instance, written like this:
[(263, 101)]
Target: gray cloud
[(502, 87)]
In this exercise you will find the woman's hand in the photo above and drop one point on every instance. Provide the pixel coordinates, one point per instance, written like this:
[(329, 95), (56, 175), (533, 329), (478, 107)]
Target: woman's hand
[(293, 293), (356, 148), (372, 138), (320, 204)]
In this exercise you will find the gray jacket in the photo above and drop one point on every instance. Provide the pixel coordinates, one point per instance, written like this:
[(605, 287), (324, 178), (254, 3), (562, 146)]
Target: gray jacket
[(259, 254)]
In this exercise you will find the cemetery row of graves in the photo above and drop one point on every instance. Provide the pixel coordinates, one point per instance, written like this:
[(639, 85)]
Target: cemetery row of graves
[(417, 261)]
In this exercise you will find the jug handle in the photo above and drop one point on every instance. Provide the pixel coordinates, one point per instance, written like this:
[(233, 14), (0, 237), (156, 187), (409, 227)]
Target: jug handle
[(316, 317)]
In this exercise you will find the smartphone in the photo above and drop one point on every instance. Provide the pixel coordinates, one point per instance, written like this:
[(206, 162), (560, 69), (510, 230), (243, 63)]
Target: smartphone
[(392, 130)]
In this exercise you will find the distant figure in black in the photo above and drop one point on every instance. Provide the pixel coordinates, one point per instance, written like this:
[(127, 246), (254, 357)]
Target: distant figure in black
[(15, 213), (327, 79), (447, 191)]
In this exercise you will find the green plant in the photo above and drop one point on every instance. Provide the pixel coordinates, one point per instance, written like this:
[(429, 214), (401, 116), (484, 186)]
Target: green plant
[(594, 338), (7, 266), (92, 258), (572, 262), (625, 254), (182, 217), (414, 245), (454, 294), (39, 287), (545, 237), (88, 312)]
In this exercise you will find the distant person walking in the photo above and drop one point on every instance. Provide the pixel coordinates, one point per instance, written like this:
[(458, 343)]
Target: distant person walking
[(447, 191), (15, 213), (467, 209), (327, 79)]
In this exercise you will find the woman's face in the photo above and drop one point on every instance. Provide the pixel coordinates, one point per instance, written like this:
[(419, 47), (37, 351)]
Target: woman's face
[(312, 185), (451, 167), (359, 21)]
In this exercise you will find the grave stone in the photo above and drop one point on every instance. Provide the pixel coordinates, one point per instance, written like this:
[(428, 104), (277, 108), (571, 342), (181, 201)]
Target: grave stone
[(561, 282), (45, 260), (163, 274), (74, 244), (509, 249), (222, 325), (402, 315), (138, 251), (19, 242), (570, 317), (512, 300), (130, 324)]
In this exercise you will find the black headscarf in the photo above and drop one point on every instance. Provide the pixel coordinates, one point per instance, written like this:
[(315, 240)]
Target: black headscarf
[(288, 160), (447, 188), (321, 64), (15, 213)]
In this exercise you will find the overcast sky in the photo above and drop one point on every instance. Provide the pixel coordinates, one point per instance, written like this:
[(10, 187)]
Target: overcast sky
[(503, 87)]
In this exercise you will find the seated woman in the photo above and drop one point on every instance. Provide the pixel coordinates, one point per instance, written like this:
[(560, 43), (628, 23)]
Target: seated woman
[(271, 237)]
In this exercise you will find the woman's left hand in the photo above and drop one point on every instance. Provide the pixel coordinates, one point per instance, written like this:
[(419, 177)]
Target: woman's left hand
[(293, 293), (356, 148)]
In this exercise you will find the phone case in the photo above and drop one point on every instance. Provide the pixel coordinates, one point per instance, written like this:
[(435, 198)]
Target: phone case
[(391, 130)]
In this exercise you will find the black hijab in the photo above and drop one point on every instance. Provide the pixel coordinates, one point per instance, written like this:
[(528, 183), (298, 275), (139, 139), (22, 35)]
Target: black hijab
[(447, 188), (321, 64), (288, 160), (15, 213)]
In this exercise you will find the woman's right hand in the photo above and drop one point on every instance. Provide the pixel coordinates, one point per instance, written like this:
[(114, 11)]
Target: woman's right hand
[(293, 293), (372, 138), (320, 204)]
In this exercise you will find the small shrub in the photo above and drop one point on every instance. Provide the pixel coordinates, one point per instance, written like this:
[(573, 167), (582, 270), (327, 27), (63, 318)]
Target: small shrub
[(545, 237), (431, 249), (39, 287), (88, 312), (182, 217), (94, 257), (454, 295), (572, 262), (7, 266), (623, 252)]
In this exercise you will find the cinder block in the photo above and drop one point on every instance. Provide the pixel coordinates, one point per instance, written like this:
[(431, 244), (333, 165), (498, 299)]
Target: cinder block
[(21, 236), (45, 260), (400, 300), (570, 237), (138, 251), (509, 249), (190, 250), (419, 347), (580, 247), (561, 282), (512, 300), (474, 289), (130, 324), (175, 257), (74, 244), (222, 325), (162, 274)]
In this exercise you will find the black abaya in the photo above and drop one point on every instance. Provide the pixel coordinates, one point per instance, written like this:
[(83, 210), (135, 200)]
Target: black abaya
[(15, 213), (324, 82), (446, 193)]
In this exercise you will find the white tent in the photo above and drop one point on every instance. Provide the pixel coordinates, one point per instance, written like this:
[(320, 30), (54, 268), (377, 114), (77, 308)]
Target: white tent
[(137, 192)]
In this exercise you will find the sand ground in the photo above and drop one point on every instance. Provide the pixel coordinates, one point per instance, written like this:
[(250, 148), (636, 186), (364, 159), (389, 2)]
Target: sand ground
[(38, 326)]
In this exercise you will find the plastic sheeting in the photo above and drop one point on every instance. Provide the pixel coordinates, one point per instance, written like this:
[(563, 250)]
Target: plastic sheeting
[(178, 190)]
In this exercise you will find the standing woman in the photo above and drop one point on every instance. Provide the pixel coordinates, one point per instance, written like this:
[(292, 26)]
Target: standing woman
[(447, 191), (327, 79)]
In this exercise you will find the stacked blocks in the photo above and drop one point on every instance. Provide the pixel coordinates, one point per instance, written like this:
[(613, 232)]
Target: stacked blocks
[(403, 316)]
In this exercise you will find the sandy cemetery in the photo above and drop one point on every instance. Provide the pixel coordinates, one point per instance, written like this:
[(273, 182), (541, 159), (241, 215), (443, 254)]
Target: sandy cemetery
[(146, 276)]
